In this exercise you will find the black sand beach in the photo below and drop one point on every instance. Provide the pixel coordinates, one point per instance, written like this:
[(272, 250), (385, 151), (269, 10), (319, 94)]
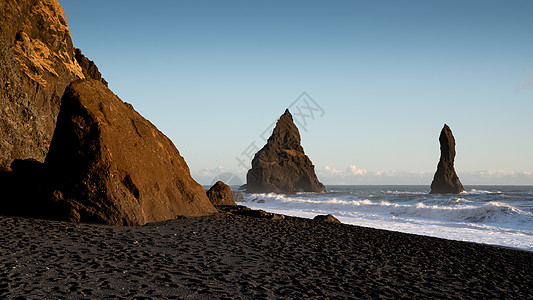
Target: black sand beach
[(240, 257)]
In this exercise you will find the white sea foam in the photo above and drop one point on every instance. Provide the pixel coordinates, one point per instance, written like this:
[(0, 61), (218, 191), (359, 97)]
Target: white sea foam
[(474, 191), (465, 217)]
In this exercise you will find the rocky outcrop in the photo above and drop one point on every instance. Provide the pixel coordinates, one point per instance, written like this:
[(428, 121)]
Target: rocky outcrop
[(89, 68), (113, 166), (326, 218), (446, 180), (37, 62), (220, 194), (104, 162), (281, 166), (245, 211)]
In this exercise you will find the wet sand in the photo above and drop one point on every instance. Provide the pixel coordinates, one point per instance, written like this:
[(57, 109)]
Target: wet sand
[(241, 257)]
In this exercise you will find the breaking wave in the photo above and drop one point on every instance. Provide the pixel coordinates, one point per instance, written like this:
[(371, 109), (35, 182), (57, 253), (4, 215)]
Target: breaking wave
[(479, 215)]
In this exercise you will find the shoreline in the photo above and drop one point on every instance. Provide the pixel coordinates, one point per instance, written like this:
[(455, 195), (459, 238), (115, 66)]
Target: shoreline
[(227, 255), (495, 216), (417, 234)]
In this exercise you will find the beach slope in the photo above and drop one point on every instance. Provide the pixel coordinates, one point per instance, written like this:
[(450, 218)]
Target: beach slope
[(241, 257)]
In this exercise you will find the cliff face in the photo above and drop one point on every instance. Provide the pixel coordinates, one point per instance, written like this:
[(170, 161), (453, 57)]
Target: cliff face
[(446, 180), (113, 166), (104, 162), (281, 166), (37, 62)]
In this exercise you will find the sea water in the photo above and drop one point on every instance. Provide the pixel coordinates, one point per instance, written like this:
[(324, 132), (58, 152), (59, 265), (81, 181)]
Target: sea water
[(498, 215)]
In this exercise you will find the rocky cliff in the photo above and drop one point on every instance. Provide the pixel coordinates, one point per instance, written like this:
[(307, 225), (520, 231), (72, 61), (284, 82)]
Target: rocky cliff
[(113, 166), (37, 62), (446, 180), (281, 166), (103, 162)]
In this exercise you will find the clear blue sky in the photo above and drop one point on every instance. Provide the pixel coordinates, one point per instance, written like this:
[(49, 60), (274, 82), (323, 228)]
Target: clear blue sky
[(213, 75)]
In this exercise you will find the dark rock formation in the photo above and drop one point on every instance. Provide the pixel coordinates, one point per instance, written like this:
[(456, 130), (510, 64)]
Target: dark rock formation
[(245, 211), (106, 163), (445, 180), (89, 68), (113, 166), (281, 166), (326, 218), (37, 62), (220, 194)]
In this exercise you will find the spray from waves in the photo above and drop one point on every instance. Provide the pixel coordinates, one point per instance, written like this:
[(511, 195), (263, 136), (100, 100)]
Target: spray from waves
[(491, 212), (456, 209), (482, 192), (500, 215)]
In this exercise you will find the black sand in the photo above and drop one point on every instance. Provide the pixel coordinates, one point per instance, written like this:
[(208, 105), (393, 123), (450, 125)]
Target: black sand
[(239, 257)]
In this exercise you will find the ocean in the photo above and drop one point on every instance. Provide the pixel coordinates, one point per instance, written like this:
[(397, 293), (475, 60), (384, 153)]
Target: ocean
[(497, 215)]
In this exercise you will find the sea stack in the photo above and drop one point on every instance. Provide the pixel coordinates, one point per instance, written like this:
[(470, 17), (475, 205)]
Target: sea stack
[(446, 180), (281, 166)]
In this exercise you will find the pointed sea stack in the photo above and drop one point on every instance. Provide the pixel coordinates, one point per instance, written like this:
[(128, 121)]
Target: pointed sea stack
[(281, 166), (445, 180)]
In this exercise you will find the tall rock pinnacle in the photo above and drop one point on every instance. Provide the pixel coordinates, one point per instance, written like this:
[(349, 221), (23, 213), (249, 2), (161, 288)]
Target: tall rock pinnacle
[(445, 180), (281, 166)]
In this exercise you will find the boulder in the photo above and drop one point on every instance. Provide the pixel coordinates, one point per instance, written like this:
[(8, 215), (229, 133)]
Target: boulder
[(281, 166), (326, 218), (446, 180), (220, 194), (113, 166), (37, 62)]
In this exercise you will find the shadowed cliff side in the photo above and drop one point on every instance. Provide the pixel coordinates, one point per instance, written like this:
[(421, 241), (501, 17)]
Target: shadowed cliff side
[(446, 180), (281, 166)]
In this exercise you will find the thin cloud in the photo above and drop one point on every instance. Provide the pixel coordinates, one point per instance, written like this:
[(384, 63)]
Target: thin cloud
[(354, 170), (498, 177), (228, 176), (357, 175)]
